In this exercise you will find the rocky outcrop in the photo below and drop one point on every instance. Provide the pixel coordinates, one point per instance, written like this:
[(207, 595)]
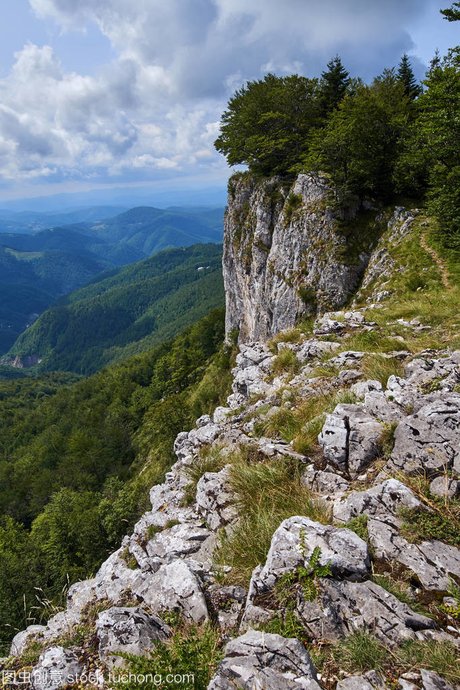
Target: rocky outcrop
[(285, 254)]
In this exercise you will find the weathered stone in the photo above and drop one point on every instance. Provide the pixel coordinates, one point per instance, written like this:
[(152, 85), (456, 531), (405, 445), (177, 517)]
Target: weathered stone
[(177, 541), (57, 667), (227, 604), (215, 500), (428, 442), (329, 484), (127, 631), (173, 587), (261, 660), (369, 681), (445, 487), (343, 607), (311, 349), (294, 542), (22, 639), (363, 387), (381, 501), (350, 438), (431, 681)]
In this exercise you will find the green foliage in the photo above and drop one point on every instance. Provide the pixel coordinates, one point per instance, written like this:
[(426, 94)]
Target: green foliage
[(437, 522), (192, 652), (267, 123), (360, 652), (286, 362), (70, 470), (358, 525), (130, 311), (452, 14), (358, 147), (406, 76), (334, 84), (304, 577)]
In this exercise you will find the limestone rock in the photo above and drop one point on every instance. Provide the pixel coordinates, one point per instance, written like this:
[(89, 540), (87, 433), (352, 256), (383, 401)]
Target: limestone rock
[(350, 438), (214, 499), (57, 667), (428, 442), (385, 499), (227, 604), (22, 639), (128, 631), (263, 660), (293, 544)]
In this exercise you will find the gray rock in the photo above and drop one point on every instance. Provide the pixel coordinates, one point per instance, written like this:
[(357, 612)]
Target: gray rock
[(214, 499), (294, 542), (431, 681), (265, 661), (362, 388), (22, 639), (176, 542), (368, 681), (57, 667), (382, 500), (227, 604), (343, 607), (173, 587), (127, 631), (445, 487), (350, 438), (329, 484), (311, 349), (269, 253), (428, 442)]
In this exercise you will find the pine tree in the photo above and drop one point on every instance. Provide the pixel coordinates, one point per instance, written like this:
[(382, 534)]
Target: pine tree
[(452, 14), (407, 77), (334, 84)]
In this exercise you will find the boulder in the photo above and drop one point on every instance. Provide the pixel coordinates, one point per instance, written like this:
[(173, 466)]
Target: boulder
[(294, 542), (128, 631), (262, 660), (350, 438), (57, 667), (428, 442), (383, 500), (173, 587)]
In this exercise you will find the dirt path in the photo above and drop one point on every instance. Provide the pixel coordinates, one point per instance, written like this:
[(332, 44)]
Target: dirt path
[(440, 263)]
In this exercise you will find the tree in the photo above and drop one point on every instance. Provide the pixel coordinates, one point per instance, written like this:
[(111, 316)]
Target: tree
[(359, 145), (407, 78), (333, 85), (452, 14), (268, 122)]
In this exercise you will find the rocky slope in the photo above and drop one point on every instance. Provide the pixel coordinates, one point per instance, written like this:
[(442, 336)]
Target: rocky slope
[(357, 586)]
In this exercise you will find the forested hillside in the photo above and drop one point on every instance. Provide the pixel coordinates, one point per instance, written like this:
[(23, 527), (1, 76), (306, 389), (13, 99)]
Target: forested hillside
[(129, 311), (76, 461)]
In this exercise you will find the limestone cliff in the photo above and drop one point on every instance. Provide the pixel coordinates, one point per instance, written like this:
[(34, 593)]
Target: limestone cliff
[(288, 253)]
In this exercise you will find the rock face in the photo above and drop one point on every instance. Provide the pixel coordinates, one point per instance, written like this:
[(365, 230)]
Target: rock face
[(283, 255)]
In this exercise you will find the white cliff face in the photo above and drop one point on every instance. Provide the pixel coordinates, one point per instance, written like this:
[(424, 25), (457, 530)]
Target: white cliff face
[(284, 255)]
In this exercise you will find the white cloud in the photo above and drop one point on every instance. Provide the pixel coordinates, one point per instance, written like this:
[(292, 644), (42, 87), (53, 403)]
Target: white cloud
[(156, 107)]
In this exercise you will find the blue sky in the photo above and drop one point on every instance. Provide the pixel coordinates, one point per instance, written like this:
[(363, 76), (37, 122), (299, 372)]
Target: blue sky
[(110, 94)]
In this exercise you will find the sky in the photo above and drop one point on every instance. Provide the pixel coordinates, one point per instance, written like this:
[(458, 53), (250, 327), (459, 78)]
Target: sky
[(119, 95)]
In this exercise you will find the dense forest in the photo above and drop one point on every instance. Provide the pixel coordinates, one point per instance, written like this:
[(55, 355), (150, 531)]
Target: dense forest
[(383, 141), (127, 311), (71, 455)]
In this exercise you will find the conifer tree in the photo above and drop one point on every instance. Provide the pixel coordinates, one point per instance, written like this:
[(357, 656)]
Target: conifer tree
[(334, 84), (407, 77), (452, 14)]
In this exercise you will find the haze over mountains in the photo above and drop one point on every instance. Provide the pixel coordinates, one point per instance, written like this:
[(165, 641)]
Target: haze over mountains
[(38, 267)]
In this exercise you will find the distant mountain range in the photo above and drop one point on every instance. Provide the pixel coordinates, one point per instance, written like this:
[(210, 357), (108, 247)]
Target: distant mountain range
[(37, 268), (128, 311)]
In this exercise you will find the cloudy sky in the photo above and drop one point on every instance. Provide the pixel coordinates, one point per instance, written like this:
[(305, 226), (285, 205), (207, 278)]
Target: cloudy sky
[(99, 94)]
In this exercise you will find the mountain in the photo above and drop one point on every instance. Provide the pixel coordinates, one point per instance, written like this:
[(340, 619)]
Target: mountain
[(39, 268), (148, 230), (29, 222), (127, 311)]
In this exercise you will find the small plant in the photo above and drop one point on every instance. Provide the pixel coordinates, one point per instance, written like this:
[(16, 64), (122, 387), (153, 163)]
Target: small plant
[(358, 525), (129, 559), (360, 652), (453, 609), (209, 460), (387, 439), (193, 652), (294, 201), (304, 577), (424, 523)]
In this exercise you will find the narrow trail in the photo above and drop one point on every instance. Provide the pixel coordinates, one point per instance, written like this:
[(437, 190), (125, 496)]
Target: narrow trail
[(440, 263)]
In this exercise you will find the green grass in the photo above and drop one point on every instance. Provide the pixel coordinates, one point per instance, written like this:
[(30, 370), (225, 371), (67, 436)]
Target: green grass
[(286, 362), (267, 493), (210, 459), (379, 368)]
